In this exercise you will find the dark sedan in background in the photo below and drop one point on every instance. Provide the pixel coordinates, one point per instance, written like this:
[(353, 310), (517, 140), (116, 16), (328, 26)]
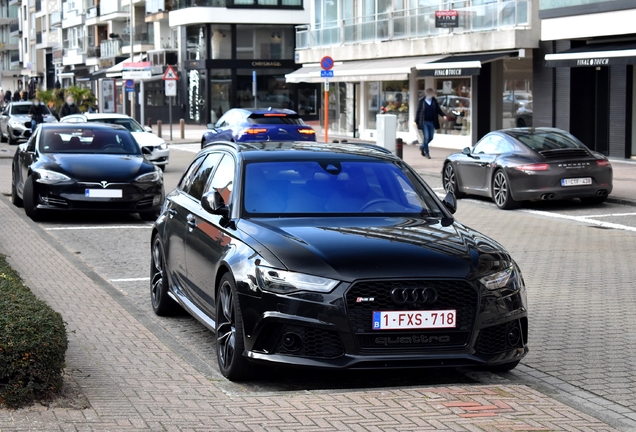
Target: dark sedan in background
[(257, 125), (332, 256), (524, 164), (92, 166)]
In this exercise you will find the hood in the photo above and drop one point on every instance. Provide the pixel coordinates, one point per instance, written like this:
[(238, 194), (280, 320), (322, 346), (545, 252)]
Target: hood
[(147, 139), (20, 117), (347, 249), (96, 168)]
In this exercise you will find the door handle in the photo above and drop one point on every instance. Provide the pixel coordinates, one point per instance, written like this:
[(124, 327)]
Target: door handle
[(483, 164), (191, 220), (172, 212)]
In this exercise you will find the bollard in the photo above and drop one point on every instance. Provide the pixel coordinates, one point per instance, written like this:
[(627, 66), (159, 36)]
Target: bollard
[(159, 123), (399, 147), (149, 122), (182, 127)]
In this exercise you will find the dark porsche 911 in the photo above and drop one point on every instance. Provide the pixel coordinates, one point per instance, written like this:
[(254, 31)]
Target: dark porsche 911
[(332, 256), (87, 167), (515, 165)]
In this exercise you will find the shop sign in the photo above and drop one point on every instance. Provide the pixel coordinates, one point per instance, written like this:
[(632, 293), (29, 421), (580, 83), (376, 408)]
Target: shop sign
[(266, 64), (449, 72), (593, 62), (446, 19)]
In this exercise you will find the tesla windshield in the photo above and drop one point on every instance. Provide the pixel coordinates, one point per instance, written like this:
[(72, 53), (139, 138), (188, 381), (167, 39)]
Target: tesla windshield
[(78, 140), (334, 187)]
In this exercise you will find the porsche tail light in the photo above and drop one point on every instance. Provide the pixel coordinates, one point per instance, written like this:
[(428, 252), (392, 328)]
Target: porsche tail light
[(603, 163), (533, 167)]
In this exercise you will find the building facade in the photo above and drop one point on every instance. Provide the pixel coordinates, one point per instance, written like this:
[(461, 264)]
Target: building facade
[(236, 53), (10, 78), (585, 72), (387, 52)]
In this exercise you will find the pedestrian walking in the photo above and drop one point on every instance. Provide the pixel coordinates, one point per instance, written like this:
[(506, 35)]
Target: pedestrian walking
[(16, 96), (37, 113), (69, 107), (427, 119)]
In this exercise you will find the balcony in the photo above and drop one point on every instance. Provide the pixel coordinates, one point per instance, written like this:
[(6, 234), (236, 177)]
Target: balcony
[(55, 19), (181, 4), (72, 16), (110, 49), (415, 23), (144, 35), (160, 58), (92, 12), (157, 10), (14, 28), (113, 10), (93, 51), (74, 52), (11, 44)]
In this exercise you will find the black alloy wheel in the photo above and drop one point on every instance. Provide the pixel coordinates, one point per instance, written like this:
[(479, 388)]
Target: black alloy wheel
[(450, 181), (30, 200), (17, 201), (229, 332), (501, 193), (162, 303)]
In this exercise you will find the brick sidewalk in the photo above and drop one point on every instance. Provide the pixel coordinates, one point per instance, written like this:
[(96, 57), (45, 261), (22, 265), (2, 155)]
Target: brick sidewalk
[(133, 380)]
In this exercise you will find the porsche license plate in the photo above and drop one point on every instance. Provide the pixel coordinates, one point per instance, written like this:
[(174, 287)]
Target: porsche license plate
[(404, 320), (104, 193), (576, 181)]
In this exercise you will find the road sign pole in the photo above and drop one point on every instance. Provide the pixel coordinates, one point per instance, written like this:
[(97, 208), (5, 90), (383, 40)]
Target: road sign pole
[(170, 117), (326, 111)]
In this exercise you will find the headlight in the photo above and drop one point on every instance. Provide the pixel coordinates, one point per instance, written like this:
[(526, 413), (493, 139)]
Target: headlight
[(151, 177), (14, 123), (50, 177), (163, 146), (508, 278), (286, 282)]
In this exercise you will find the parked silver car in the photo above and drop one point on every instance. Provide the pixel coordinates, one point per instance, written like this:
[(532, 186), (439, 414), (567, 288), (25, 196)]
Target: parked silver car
[(15, 123)]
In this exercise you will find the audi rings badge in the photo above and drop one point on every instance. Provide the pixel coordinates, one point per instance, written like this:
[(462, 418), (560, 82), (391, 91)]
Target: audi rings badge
[(414, 295)]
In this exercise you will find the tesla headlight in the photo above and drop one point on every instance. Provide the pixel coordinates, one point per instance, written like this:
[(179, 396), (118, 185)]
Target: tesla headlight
[(50, 177), (150, 177), (508, 278), (286, 282)]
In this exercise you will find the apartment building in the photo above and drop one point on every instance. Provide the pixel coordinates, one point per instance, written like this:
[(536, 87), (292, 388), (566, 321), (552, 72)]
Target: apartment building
[(387, 52), (585, 73), (9, 46), (229, 48)]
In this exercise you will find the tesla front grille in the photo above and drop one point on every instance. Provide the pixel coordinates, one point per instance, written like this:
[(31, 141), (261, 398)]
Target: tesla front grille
[(366, 297)]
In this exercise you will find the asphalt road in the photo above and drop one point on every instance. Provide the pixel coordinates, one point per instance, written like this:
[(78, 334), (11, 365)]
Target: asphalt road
[(578, 262)]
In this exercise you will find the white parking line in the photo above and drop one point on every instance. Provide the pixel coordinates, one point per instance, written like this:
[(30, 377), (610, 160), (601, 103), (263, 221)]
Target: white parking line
[(581, 219), (609, 215), (131, 279), (192, 148), (98, 227)]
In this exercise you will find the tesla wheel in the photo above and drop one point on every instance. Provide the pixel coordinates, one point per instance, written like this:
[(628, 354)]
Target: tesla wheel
[(229, 332), (17, 201), (505, 367), (450, 181), (29, 200), (594, 200), (162, 303), (501, 193), (521, 123), (12, 141)]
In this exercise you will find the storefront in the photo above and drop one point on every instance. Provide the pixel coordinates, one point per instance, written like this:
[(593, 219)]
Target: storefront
[(224, 64)]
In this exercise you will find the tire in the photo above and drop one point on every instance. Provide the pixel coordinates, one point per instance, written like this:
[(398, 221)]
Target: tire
[(17, 201), (2, 138), (501, 193), (505, 367), (521, 123), (12, 141), (29, 197), (150, 216), (449, 178), (594, 200), (229, 333), (162, 303)]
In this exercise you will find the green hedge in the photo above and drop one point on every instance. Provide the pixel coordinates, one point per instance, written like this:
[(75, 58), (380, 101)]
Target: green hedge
[(32, 343)]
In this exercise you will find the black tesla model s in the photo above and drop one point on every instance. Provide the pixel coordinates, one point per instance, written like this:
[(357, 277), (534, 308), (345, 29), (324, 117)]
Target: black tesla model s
[(332, 256), (524, 164), (91, 166)]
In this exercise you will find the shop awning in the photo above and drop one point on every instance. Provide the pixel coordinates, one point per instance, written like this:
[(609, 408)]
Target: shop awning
[(394, 69), (594, 55), (460, 65)]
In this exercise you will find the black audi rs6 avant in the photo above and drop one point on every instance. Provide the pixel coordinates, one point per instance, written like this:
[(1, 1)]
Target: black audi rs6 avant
[(87, 167), (526, 164), (332, 256)]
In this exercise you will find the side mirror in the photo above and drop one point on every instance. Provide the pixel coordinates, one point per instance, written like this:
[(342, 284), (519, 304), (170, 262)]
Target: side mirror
[(148, 129), (210, 126), (146, 151), (450, 202), (213, 202), (466, 151)]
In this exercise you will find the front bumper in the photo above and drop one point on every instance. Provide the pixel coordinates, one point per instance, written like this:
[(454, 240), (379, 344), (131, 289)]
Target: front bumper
[(19, 132), (159, 157), (334, 331), (136, 197)]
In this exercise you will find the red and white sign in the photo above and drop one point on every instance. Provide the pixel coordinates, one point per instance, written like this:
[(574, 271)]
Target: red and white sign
[(170, 74), (136, 66)]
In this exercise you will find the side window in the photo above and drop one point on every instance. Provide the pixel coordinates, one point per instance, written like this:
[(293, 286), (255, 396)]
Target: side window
[(32, 141), (202, 175), (503, 146), (223, 121), (485, 146), (223, 180)]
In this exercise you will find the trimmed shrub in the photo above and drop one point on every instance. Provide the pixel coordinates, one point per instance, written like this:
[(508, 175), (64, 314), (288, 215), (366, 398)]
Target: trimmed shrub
[(32, 343)]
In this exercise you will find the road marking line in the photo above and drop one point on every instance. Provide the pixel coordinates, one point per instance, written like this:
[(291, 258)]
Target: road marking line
[(581, 219), (99, 227), (609, 215), (192, 148), (131, 279)]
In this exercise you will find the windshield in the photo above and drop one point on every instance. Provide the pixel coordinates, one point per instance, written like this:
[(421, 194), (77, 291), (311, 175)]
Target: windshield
[(129, 124), (79, 140), (24, 109), (334, 187), (548, 140)]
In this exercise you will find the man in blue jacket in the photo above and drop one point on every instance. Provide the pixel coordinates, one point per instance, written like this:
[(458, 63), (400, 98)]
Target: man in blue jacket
[(427, 119)]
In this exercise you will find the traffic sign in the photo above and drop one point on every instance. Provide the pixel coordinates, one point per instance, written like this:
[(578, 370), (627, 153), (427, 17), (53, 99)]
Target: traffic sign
[(136, 74), (170, 74), (326, 74), (130, 86), (326, 63), (170, 87)]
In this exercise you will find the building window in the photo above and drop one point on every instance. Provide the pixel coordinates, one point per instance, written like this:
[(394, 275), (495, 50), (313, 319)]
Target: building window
[(264, 42), (266, 3), (517, 93), (454, 98), (221, 42), (195, 43), (388, 97)]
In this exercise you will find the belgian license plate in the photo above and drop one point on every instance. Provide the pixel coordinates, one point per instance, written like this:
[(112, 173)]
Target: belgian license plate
[(404, 320), (576, 181), (104, 193)]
